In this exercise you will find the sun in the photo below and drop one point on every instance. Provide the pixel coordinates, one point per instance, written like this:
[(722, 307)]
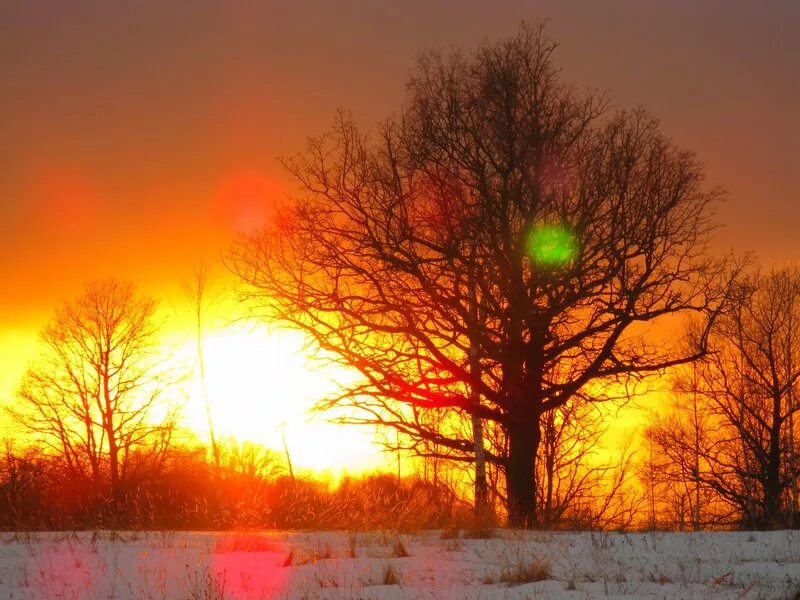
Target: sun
[(261, 387)]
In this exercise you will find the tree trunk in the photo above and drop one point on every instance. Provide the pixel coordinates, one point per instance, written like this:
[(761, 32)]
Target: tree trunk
[(286, 450), (111, 433), (113, 464), (696, 514), (772, 491), (524, 437), (793, 458), (545, 464), (207, 401), (481, 489), (199, 294)]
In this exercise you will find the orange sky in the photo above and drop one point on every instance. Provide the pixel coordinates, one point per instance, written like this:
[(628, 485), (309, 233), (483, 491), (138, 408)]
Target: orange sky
[(138, 137)]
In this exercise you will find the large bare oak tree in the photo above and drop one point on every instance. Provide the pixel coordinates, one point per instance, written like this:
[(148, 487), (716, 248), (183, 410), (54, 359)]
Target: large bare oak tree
[(503, 216)]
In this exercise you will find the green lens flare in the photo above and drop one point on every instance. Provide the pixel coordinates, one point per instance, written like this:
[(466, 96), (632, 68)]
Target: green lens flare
[(552, 245)]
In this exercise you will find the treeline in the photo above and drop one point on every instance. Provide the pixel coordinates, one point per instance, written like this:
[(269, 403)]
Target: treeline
[(98, 444), (186, 490)]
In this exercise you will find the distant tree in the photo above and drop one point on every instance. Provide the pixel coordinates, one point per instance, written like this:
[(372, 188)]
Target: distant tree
[(196, 292), (578, 480), (675, 469), (90, 397), (250, 460), (503, 214), (744, 448)]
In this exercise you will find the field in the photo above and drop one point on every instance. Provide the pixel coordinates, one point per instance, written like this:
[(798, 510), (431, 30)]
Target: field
[(387, 565)]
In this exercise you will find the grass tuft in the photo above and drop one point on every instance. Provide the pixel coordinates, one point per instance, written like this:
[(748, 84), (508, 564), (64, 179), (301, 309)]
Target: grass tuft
[(313, 557), (390, 576), (326, 582), (245, 543), (203, 585), (526, 572), (352, 547), (658, 578), (399, 549), (289, 561), (480, 533), (450, 533)]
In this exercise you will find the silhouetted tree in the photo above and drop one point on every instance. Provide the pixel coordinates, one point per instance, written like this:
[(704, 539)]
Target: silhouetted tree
[(196, 292), (743, 447), (675, 468), (578, 480), (500, 189), (89, 396)]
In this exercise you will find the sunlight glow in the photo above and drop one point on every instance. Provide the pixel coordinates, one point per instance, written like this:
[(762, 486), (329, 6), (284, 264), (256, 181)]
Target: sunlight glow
[(243, 198), (262, 386)]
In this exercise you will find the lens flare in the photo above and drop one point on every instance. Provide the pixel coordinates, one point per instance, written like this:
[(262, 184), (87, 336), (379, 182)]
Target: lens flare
[(552, 245)]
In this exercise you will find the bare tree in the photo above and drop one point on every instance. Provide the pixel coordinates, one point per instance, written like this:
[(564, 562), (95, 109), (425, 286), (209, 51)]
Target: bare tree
[(569, 227), (577, 479), (286, 452), (90, 394), (747, 387), (674, 469), (196, 292), (250, 461)]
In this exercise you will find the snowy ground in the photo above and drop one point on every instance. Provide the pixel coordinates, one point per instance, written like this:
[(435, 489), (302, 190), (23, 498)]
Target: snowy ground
[(238, 566)]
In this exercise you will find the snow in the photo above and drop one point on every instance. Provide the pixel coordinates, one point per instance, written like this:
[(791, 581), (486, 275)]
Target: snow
[(388, 566)]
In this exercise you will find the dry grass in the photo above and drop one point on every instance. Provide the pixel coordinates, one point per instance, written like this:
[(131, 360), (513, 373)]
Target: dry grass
[(480, 533), (316, 555), (662, 579), (188, 494), (399, 549), (454, 545), (289, 561), (450, 533), (390, 576), (203, 585), (22, 537), (245, 543), (327, 582), (525, 571), (352, 547)]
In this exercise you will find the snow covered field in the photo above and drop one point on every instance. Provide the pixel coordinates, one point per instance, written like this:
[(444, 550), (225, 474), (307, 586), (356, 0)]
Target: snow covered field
[(382, 565)]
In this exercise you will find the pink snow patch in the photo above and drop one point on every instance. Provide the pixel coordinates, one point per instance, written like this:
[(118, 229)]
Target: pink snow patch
[(250, 566), (59, 571)]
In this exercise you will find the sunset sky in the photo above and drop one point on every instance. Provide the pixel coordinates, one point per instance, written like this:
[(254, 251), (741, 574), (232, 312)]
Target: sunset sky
[(137, 138)]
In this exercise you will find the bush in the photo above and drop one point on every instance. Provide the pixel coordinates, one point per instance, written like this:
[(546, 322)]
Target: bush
[(185, 491)]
